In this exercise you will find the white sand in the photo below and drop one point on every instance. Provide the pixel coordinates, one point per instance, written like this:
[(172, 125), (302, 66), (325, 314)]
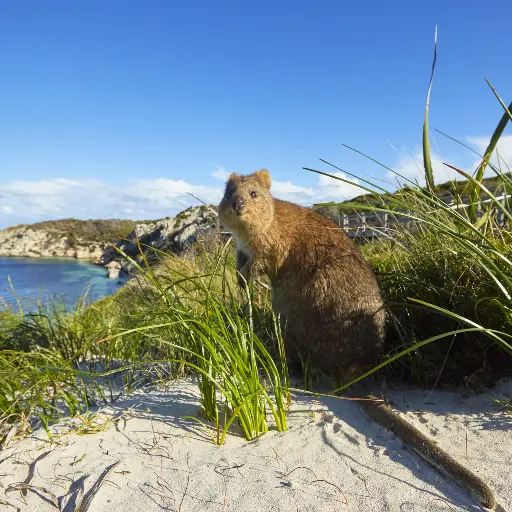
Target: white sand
[(338, 460)]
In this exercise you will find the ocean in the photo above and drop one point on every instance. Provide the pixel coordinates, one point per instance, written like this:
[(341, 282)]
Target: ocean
[(36, 279)]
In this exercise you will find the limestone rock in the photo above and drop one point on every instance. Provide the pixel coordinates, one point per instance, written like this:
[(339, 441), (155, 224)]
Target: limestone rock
[(27, 242), (113, 265), (113, 273), (170, 235)]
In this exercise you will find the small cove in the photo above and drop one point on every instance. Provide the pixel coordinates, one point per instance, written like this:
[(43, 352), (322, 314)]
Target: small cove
[(44, 279)]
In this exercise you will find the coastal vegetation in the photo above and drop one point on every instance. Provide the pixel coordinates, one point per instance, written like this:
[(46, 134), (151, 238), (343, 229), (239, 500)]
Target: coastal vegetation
[(450, 277), (447, 285), (179, 316)]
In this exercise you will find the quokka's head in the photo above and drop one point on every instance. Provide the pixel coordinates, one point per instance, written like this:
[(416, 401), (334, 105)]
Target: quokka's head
[(247, 204)]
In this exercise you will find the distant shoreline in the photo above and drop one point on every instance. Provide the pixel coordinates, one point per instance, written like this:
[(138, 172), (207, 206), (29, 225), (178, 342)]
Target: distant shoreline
[(41, 257)]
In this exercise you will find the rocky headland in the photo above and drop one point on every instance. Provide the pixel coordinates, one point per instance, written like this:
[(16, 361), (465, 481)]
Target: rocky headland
[(97, 240)]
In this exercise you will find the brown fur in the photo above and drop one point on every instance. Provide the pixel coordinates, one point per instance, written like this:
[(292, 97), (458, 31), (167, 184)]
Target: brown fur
[(325, 292), (327, 296)]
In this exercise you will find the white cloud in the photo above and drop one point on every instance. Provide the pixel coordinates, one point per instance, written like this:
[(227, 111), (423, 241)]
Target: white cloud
[(411, 165), (5, 209), (503, 149), (43, 188), (411, 168), (326, 189), (220, 173), (166, 193), (289, 192), (337, 190), (32, 201)]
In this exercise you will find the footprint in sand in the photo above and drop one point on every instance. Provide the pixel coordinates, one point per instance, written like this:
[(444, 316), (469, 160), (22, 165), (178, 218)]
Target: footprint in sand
[(351, 439), (421, 419), (378, 451)]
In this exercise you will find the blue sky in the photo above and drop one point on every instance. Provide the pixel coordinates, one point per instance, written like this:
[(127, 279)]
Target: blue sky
[(119, 108)]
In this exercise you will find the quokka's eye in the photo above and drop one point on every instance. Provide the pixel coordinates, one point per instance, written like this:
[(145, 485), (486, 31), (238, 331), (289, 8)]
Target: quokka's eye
[(253, 194)]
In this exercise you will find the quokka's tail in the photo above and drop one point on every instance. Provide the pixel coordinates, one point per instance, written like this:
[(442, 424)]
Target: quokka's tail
[(429, 451)]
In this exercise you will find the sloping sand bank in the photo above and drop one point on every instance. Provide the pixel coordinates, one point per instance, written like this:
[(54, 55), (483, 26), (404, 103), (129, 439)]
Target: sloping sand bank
[(149, 458)]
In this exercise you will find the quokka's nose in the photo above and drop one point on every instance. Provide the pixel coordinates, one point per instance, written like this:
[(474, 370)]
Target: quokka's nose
[(238, 205)]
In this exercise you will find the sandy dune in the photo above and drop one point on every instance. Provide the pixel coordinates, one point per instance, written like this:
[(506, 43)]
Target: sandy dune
[(334, 458)]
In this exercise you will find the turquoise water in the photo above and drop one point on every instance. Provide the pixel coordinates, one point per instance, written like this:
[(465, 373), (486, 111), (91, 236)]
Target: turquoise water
[(45, 278)]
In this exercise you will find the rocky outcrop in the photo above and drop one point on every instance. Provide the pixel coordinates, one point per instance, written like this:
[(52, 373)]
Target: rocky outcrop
[(113, 269), (27, 242), (113, 273), (172, 234)]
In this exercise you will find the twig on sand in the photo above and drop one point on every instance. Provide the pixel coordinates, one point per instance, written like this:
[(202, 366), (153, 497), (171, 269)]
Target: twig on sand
[(356, 399), (220, 470), (278, 458), (299, 467), (7, 504), (43, 493), (184, 494), (334, 485), (441, 499)]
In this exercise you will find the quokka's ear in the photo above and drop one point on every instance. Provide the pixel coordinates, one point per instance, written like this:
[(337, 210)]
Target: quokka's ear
[(233, 176), (263, 176)]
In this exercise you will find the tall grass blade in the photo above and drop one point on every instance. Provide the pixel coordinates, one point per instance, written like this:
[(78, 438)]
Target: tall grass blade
[(508, 110), (429, 173), (474, 191)]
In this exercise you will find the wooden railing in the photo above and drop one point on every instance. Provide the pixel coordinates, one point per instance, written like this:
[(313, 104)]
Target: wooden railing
[(376, 224)]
